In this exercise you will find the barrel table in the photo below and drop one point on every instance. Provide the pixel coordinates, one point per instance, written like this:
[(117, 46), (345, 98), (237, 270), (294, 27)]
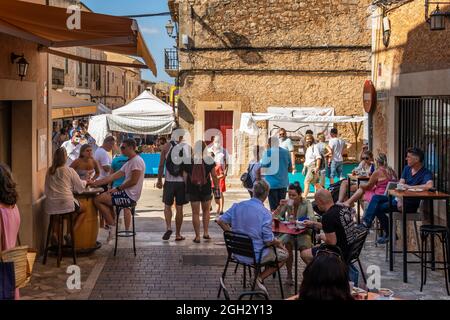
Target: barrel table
[(86, 234)]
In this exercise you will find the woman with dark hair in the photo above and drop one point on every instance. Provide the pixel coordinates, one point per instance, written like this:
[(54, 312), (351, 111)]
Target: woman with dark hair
[(9, 212), (85, 166), (295, 208), (326, 278), (60, 184), (199, 190)]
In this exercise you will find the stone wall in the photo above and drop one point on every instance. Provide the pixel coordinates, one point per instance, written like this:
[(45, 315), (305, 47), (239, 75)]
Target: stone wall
[(263, 53)]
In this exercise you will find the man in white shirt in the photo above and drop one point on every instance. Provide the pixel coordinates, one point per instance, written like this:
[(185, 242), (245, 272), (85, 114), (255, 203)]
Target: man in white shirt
[(72, 147), (286, 143), (336, 148), (103, 157), (312, 164), (126, 194)]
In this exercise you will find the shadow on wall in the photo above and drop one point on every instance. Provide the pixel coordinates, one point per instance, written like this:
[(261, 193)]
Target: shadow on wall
[(184, 112), (238, 40)]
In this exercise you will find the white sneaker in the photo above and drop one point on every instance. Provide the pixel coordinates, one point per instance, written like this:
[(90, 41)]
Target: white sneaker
[(111, 233)]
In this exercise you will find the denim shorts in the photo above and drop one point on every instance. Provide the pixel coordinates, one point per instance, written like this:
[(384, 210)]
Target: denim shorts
[(336, 169)]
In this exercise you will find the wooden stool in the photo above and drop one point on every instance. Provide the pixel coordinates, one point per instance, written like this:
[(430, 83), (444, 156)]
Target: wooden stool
[(59, 220), (125, 233)]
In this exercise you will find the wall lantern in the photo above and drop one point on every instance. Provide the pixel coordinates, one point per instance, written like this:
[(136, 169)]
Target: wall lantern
[(436, 19), (22, 64), (169, 28)]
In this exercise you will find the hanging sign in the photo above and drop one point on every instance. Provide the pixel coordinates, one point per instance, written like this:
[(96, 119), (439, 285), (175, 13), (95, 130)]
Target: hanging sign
[(369, 96)]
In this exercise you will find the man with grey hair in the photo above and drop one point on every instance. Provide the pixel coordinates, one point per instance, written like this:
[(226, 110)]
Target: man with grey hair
[(253, 219)]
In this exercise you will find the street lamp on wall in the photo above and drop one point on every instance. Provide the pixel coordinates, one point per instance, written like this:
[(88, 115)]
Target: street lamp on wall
[(436, 19), (22, 64), (170, 28)]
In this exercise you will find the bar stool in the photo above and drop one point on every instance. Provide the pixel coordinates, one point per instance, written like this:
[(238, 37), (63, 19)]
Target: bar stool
[(59, 220), (125, 233), (442, 233)]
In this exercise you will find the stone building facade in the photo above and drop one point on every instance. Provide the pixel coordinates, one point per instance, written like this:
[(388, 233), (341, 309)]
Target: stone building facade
[(411, 74), (244, 56)]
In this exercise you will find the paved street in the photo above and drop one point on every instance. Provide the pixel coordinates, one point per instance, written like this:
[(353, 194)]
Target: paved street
[(185, 270)]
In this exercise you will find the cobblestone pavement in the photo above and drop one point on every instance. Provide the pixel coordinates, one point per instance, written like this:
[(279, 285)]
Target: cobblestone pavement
[(185, 270)]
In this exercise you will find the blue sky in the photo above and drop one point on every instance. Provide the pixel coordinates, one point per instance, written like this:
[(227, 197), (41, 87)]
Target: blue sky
[(153, 28)]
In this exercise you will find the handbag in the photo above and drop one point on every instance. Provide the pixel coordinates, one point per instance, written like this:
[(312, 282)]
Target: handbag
[(246, 178), (22, 258)]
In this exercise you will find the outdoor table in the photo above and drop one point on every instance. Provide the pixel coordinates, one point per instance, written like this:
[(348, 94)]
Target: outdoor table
[(358, 179), (419, 195), (282, 228), (86, 234)]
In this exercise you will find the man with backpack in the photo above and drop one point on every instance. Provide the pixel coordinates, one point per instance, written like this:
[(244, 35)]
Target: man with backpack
[(174, 189)]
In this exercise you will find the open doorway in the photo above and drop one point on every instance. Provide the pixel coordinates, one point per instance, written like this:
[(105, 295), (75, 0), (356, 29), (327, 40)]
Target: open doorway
[(5, 133)]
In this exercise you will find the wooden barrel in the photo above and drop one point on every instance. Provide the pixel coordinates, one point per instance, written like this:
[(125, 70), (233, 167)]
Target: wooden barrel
[(86, 234)]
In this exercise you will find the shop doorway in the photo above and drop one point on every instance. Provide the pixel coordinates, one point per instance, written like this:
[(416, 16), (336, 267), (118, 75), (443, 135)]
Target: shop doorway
[(223, 121), (5, 133)]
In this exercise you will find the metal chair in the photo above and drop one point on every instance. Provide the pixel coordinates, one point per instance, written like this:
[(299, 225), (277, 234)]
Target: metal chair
[(125, 233), (240, 244), (442, 233), (356, 248)]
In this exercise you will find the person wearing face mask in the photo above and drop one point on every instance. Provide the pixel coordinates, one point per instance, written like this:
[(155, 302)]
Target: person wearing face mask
[(73, 147), (286, 143)]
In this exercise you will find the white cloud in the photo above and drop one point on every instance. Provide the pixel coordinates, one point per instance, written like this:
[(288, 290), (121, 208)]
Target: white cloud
[(149, 30)]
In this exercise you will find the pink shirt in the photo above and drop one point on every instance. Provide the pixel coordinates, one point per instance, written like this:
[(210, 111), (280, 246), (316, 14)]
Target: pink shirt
[(11, 224)]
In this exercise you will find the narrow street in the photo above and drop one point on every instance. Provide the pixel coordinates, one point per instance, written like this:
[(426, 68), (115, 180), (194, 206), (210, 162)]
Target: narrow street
[(185, 270)]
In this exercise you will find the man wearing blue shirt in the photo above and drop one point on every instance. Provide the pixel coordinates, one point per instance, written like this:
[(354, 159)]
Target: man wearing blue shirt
[(276, 164), (414, 175), (253, 219)]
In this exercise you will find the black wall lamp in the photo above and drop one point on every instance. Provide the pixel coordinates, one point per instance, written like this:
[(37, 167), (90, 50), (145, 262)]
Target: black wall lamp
[(169, 28), (436, 19), (22, 64)]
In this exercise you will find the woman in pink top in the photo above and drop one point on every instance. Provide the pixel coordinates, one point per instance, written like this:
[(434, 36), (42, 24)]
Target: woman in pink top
[(9, 213), (377, 183)]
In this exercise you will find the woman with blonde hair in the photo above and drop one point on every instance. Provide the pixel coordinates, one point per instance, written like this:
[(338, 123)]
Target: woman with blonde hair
[(86, 166), (377, 183)]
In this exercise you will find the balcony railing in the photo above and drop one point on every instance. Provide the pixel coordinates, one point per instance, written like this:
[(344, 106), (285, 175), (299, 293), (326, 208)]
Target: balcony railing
[(171, 61)]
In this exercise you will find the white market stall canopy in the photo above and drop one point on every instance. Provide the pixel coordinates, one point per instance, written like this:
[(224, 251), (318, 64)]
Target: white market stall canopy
[(144, 115), (248, 120)]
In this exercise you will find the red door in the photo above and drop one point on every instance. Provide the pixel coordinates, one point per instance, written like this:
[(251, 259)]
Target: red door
[(223, 121)]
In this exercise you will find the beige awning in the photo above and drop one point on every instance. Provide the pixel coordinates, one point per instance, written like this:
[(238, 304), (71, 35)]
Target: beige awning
[(66, 106), (47, 26)]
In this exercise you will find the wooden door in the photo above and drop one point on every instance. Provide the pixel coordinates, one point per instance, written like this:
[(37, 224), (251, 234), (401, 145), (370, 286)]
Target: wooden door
[(223, 121)]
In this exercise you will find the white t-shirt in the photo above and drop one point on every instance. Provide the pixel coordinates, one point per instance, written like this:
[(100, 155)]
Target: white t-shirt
[(104, 159), (220, 155), (311, 155), (337, 145), (136, 163), (73, 151), (287, 144)]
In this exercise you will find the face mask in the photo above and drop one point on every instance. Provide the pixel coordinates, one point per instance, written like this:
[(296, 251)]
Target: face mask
[(282, 138), (217, 145)]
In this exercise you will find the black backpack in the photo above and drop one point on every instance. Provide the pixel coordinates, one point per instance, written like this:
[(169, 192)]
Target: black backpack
[(175, 170), (246, 178)]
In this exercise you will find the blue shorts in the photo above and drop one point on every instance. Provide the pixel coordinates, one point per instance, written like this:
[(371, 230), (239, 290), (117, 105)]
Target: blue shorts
[(121, 199), (336, 169)]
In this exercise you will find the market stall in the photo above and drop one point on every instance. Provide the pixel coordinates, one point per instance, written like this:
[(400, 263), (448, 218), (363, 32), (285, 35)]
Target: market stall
[(145, 115)]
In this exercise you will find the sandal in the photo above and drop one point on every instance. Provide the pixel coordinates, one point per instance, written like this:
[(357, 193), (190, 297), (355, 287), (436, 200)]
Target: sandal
[(207, 237), (181, 238), (196, 241), (167, 235)]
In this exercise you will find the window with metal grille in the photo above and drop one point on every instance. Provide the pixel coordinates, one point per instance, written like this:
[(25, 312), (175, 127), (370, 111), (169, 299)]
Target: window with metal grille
[(171, 59), (424, 122), (57, 78)]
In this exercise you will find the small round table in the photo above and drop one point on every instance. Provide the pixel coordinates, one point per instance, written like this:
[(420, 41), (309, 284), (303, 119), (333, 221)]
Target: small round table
[(86, 234)]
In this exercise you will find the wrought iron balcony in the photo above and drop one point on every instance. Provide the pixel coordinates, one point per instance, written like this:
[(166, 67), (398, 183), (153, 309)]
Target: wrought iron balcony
[(171, 62)]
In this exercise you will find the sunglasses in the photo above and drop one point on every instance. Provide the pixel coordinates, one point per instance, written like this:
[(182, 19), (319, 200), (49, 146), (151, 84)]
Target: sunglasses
[(122, 147), (366, 158)]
